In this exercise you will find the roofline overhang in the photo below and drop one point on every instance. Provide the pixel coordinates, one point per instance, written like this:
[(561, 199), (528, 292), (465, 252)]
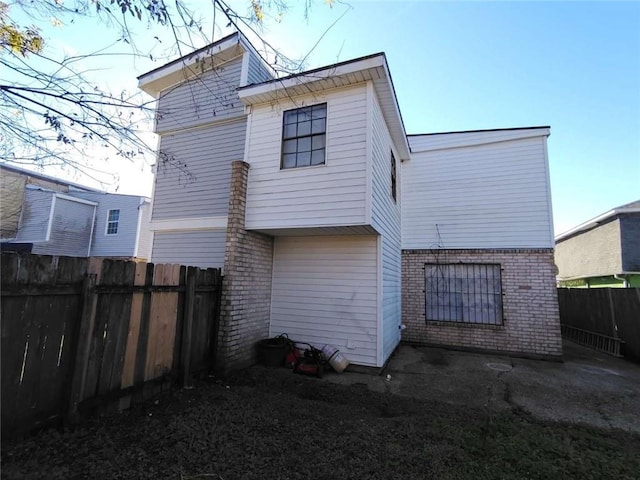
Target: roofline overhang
[(481, 131), (521, 133), (49, 178), (594, 275), (594, 222), (150, 82), (249, 94)]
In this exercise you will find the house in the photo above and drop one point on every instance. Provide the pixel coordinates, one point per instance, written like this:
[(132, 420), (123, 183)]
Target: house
[(477, 239), (46, 215), (602, 252), (307, 191)]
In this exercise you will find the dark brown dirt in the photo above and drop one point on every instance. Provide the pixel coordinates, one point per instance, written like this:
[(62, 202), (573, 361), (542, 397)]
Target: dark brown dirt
[(264, 424)]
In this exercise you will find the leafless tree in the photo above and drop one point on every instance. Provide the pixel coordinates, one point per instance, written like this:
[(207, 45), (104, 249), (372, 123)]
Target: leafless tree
[(53, 112)]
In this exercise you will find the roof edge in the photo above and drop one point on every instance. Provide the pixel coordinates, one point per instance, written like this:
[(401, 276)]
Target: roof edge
[(594, 222), (188, 56), (312, 71), (50, 178), (478, 131)]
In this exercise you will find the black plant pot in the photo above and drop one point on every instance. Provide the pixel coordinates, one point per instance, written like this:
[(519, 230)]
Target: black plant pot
[(272, 351)]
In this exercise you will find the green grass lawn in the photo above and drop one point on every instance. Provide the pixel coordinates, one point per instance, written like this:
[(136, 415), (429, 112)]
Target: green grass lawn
[(273, 424)]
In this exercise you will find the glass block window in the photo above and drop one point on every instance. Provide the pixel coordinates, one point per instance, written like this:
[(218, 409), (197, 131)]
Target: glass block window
[(304, 136)]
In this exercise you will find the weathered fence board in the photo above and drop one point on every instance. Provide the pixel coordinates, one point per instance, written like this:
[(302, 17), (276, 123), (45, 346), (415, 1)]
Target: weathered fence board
[(39, 333), (611, 312), (78, 334)]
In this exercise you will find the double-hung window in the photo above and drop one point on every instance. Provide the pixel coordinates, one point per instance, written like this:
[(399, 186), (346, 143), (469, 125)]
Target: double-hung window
[(304, 136), (113, 218)]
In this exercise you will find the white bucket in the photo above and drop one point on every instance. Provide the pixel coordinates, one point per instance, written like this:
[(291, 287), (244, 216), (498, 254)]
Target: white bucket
[(337, 361)]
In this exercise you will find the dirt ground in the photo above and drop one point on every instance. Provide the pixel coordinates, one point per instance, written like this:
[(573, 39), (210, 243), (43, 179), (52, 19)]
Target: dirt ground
[(269, 423)]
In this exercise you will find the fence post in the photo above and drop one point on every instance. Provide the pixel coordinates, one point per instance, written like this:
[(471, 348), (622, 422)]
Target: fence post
[(187, 325), (87, 320), (614, 324), (219, 279)]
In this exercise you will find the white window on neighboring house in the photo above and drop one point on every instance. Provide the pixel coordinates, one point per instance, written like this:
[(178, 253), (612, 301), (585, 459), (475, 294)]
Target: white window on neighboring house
[(304, 136), (113, 217), (463, 293)]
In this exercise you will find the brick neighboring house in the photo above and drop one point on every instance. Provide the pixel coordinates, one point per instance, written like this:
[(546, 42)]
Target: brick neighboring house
[(602, 252), (334, 226)]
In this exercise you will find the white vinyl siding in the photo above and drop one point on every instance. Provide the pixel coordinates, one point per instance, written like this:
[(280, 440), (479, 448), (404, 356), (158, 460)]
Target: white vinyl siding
[(122, 244), (34, 219), (200, 187), (257, 72), (198, 248), (144, 234), (492, 195), (203, 99), (324, 291), (70, 230), (439, 141), (333, 194), (385, 218)]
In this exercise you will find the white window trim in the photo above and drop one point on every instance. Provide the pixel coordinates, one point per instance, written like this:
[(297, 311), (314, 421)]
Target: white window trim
[(106, 226), (326, 129)]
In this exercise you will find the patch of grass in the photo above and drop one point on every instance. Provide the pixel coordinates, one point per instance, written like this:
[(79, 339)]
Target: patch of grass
[(272, 424)]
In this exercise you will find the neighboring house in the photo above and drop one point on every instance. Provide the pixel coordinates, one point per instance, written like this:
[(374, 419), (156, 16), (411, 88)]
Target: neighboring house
[(306, 191), (602, 252), (50, 216)]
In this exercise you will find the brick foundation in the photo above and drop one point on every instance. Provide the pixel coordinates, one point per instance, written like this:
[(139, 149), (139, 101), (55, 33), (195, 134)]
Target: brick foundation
[(246, 294), (530, 303)]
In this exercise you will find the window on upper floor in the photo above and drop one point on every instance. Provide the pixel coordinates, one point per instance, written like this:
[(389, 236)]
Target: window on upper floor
[(113, 217), (394, 187), (463, 293), (304, 136)]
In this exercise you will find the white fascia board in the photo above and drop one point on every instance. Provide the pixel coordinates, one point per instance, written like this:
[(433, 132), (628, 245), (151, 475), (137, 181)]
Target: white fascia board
[(50, 222), (177, 66), (246, 94), (75, 199), (196, 223), (596, 275), (594, 222), (515, 134), (399, 139)]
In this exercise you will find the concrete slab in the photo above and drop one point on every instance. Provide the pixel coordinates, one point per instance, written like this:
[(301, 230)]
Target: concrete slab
[(589, 387)]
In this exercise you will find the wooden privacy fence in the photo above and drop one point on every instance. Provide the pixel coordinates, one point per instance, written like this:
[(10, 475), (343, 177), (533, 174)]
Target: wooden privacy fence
[(83, 333), (604, 318)]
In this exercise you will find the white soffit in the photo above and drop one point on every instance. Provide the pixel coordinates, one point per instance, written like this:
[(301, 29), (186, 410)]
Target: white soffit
[(441, 141), (372, 68), (185, 67)]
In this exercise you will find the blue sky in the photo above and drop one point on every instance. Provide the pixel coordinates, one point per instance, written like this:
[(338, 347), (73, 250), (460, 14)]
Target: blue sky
[(480, 65)]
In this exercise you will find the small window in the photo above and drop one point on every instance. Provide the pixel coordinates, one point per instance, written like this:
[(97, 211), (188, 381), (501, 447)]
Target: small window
[(113, 217), (304, 136), (394, 187), (464, 293)]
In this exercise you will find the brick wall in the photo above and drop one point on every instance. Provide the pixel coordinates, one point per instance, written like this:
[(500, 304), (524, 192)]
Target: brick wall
[(246, 295), (590, 254), (530, 304)]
